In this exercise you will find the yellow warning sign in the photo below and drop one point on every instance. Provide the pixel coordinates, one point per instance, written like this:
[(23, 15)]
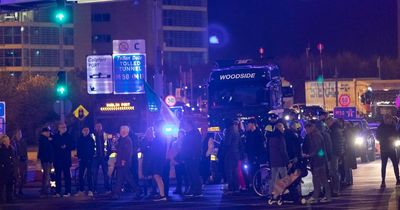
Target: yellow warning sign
[(81, 113)]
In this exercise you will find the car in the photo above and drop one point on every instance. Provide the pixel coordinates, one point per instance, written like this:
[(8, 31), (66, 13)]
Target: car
[(365, 141)]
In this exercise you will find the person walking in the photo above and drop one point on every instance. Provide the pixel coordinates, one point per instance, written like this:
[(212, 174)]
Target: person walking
[(158, 152), (232, 155), (102, 151), (386, 135), (7, 168), (337, 138), (46, 157), (85, 151), (278, 156), (191, 148), (21, 148), (318, 164), (124, 162), (180, 172), (63, 145)]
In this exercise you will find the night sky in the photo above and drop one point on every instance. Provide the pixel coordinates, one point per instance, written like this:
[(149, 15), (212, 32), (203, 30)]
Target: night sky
[(285, 27)]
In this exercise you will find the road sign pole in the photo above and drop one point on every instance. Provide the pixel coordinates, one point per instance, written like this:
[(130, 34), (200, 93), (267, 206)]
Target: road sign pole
[(62, 114)]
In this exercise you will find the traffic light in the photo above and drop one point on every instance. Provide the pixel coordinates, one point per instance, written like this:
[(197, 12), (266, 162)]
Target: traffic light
[(61, 85), (61, 13)]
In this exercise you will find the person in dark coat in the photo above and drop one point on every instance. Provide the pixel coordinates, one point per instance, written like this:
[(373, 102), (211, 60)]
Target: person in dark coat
[(85, 151), (232, 155), (158, 152), (386, 135), (191, 152), (63, 145), (124, 162), (349, 159), (103, 145), (7, 168), (278, 156), (46, 157), (145, 149), (21, 148), (318, 164), (293, 142), (337, 137), (254, 147)]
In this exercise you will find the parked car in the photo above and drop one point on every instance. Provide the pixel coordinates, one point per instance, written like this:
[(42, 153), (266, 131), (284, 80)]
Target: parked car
[(365, 141)]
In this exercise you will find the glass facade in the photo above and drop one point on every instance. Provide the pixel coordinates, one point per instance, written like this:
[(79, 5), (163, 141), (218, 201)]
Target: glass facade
[(101, 17), (10, 35), (184, 18), (10, 57), (202, 3), (185, 39)]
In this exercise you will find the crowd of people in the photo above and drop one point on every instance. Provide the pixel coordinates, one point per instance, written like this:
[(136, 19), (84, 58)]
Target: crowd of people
[(143, 166)]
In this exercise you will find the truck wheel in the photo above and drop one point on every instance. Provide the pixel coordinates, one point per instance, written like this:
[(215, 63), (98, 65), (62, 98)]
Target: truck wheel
[(371, 155), (364, 158)]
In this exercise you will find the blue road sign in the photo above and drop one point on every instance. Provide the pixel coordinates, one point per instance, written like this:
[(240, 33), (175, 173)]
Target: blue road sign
[(345, 112), (129, 73), (2, 109)]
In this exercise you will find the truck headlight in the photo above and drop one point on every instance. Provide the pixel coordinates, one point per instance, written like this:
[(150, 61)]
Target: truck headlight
[(397, 143), (359, 141)]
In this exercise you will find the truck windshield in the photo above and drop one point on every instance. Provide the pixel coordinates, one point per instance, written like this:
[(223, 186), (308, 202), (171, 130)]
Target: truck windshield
[(238, 96)]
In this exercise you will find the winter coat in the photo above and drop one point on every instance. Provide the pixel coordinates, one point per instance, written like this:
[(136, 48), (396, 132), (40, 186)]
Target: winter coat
[(192, 145), (254, 146), (7, 163), (85, 147), (278, 155), (46, 149), (337, 138), (63, 145), (232, 144), (386, 135), (293, 144), (316, 149), (124, 151)]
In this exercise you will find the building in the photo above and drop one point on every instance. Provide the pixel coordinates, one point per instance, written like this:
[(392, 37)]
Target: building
[(30, 41), (175, 32)]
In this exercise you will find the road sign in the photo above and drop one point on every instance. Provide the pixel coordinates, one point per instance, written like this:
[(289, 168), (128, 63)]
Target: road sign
[(99, 74), (2, 109), (129, 73), (170, 100), (344, 100), (129, 46), (345, 112), (81, 113), (67, 107)]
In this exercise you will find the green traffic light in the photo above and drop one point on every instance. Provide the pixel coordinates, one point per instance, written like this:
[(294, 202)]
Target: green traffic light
[(61, 90), (60, 16)]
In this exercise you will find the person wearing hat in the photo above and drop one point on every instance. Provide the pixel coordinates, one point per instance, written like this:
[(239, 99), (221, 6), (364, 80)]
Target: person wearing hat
[(7, 168), (46, 157)]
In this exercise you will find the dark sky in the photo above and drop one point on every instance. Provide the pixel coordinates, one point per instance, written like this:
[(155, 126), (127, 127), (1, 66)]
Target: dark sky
[(285, 27)]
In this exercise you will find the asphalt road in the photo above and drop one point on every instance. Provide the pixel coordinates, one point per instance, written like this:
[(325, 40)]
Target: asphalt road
[(364, 194)]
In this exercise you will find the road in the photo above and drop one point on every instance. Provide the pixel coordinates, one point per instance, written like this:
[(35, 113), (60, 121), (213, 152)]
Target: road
[(364, 194)]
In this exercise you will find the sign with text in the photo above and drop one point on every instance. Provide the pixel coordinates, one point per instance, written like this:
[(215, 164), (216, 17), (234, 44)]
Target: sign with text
[(129, 46), (129, 73), (345, 112), (99, 74)]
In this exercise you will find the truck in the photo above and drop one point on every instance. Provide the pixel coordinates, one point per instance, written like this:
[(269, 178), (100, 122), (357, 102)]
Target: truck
[(372, 97), (243, 89)]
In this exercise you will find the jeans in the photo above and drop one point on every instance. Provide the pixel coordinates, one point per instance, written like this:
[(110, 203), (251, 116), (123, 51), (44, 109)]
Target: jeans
[(384, 157), (124, 175), (181, 176), (46, 166), (65, 170), (334, 173), (193, 172), (97, 162), (85, 165), (319, 180), (231, 172), (165, 176), (276, 174)]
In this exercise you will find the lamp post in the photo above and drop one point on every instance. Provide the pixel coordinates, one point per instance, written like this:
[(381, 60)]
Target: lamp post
[(320, 47)]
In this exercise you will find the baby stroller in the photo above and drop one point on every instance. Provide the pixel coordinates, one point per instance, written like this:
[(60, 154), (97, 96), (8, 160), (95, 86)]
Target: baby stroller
[(287, 190)]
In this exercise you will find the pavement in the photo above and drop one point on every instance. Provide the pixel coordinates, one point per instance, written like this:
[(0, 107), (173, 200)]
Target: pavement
[(364, 194)]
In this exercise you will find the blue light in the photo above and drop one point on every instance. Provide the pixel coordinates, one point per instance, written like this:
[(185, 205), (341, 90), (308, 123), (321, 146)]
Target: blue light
[(170, 130), (214, 40), (246, 166)]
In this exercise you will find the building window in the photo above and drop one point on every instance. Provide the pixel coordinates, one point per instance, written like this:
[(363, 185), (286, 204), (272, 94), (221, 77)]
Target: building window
[(176, 59), (68, 58), (68, 35), (10, 57), (101, 17), (10, 35), (101, 38), (44, 35), (184, 18), (198, 3), (185, 39), (44, 57)]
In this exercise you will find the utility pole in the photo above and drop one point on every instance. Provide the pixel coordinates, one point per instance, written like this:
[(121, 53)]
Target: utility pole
[(320, 47)]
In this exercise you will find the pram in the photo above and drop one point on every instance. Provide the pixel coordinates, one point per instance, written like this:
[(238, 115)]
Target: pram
[(286, 190)]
